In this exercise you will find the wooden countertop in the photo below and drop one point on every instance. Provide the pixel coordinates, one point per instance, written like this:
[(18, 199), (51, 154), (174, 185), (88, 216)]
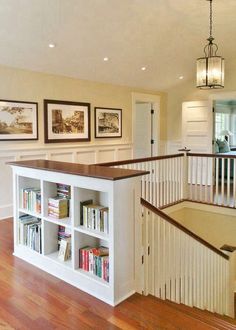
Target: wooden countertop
[(94, 171)]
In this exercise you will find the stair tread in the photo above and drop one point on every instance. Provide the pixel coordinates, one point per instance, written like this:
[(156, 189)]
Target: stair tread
[(213, 319), (224, 321), (178, 318)]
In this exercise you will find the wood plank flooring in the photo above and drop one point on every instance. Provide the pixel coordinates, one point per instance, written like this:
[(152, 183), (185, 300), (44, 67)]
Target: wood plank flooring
[(32, 299)]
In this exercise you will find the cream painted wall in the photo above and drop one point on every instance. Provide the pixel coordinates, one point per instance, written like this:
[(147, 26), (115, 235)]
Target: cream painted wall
[(187, 91), (217, 229), (23, 85), (17, 84)]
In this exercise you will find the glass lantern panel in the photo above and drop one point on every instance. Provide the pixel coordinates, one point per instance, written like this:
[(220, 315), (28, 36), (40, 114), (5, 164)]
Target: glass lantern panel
[(201, 72), (215, 72)]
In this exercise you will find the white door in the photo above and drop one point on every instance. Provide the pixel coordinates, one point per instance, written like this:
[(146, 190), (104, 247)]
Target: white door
[(142, 138), (145, 130), (197, 132), (197, 126)]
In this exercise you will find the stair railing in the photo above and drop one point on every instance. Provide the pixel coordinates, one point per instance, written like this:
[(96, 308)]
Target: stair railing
[(203, 178), (212, 179), (182, 267), (164, 185)]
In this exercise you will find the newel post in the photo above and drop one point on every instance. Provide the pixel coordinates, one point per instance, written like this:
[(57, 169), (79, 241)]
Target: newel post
[(185, 173)]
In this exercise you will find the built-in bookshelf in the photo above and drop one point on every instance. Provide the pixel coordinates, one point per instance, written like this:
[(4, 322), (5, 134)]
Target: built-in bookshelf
[(78, 227)]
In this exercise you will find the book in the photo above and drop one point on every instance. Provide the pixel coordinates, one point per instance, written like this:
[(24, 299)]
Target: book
[(63, 251), (95, 260), (29, 233), (58, 207), (64, 235), (94, 217), (31, 199), (82, 215)]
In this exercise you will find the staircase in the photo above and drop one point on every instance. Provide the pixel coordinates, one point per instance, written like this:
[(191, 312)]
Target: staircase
[(173, 263), (168, 315)]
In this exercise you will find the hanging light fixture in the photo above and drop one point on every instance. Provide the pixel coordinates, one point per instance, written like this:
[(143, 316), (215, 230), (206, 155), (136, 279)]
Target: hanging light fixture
[(210, 69)]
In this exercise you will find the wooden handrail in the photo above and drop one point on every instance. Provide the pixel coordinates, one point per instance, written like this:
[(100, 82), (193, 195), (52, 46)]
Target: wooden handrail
[(181, 227), (140, 160), (210, 155)]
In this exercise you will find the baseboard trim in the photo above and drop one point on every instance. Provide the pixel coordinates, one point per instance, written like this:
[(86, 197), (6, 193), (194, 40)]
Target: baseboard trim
[(6, 211)]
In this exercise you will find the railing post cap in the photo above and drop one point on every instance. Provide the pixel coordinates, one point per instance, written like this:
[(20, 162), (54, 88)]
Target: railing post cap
[(184, 150)]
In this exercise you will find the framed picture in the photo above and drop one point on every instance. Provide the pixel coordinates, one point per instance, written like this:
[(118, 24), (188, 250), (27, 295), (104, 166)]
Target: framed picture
[(18, 120), (66, 121), (108, 123)]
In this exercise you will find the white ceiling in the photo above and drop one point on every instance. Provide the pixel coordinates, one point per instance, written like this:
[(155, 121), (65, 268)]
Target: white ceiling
[(166, 36)]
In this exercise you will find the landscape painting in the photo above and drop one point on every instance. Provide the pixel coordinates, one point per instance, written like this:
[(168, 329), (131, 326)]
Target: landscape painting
[(18, 120), (66, 121), (108, 122)]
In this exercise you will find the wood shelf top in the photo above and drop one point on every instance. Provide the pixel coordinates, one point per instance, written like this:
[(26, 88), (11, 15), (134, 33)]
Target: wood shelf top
[(94, 171)]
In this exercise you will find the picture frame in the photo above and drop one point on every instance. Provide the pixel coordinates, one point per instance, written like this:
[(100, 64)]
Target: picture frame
[(66, 121), (108, 122), (18, 120)]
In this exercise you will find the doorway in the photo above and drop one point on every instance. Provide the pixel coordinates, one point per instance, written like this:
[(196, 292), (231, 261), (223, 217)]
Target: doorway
[(145, 125), (225, 122)]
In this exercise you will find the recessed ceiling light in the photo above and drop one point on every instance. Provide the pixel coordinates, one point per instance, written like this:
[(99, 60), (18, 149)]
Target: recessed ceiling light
[(181, 77), (105, 59), (143, 68), (51, 45)]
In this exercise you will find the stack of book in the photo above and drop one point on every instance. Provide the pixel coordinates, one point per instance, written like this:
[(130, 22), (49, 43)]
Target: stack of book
[(94, 217), (31, 199), (64, 243), (95, 261), (63, 190), (30, 232), (58, 207)]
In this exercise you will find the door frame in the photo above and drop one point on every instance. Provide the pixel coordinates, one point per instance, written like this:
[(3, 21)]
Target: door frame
[(155, 100)]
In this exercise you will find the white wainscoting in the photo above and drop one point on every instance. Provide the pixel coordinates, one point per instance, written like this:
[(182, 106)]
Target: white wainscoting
[(173, 146), (76, 154)]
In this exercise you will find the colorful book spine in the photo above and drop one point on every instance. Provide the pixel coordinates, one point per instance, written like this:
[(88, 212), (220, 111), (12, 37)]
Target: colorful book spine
[(95, 261), (31, 199)]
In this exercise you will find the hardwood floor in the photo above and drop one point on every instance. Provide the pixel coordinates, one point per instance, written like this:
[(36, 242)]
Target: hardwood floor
[(32, 299)]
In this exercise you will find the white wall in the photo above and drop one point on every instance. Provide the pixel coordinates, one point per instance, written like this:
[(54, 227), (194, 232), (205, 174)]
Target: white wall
[(186, 91)]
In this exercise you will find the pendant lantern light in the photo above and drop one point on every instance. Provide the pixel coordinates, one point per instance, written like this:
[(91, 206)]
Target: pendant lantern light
[(210, 69)]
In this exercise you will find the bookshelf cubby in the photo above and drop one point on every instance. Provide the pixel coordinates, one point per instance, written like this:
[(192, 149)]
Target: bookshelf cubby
[(117, 191)]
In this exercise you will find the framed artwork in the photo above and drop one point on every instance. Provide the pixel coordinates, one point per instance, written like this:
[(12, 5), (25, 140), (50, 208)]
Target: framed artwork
[(18, 120), (108, 123), (66, 121)]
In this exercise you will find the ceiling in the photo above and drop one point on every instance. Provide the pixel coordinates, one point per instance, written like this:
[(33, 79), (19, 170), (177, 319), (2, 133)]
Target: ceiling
[(165, 36)]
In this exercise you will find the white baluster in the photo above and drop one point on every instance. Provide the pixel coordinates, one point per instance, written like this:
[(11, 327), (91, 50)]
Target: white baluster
[(190, 158), (196, 179), (222, 179), (201, 177), (161, 182), (217, 173), (206, 180), (212, 179), (228, 181)]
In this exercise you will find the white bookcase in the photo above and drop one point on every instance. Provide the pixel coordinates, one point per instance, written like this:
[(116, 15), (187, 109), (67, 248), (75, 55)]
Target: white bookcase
[(120, 194)]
